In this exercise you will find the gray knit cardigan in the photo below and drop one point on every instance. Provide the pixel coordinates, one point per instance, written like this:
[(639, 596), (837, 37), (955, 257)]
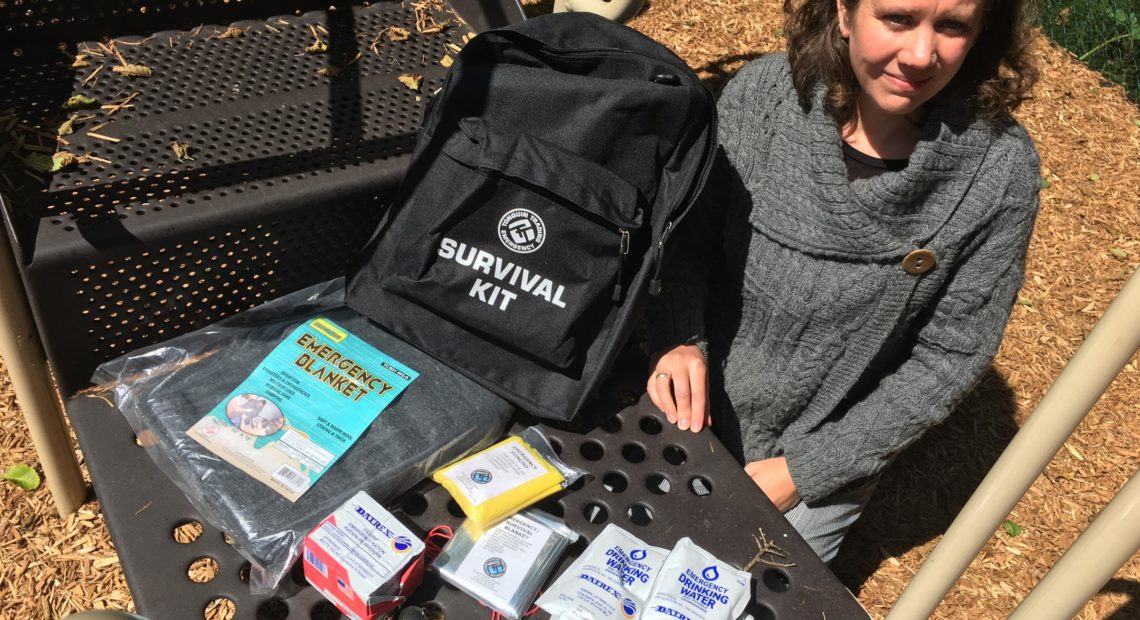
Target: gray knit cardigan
[(821, 346)]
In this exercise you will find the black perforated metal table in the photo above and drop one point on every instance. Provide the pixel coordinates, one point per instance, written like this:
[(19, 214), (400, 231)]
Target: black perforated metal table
[(646, 476)]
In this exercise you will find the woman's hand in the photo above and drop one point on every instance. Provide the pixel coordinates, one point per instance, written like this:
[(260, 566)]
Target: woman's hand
[(774, 479), (679, 385)]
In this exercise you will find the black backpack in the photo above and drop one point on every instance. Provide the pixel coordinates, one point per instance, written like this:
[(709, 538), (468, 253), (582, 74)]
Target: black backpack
[(546, 179)]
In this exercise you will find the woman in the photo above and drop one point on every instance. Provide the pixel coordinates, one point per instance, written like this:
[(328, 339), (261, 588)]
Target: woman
[(849, 275)]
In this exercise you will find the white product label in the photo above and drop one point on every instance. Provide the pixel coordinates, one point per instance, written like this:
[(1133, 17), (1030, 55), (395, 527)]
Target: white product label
[(291, 478), (496, 471), (502, 558), (369, 542), (308, 452), (693, 584), (610, 581)]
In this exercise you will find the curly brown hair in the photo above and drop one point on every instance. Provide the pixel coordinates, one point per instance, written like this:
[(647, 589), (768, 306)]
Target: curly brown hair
[(997, 74)]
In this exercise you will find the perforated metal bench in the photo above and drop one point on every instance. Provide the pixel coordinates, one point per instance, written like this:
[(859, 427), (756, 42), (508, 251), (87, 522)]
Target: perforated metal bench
[(286, 175)]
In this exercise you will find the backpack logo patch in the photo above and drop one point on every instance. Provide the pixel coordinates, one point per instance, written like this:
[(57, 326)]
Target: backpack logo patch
[(522, 231)]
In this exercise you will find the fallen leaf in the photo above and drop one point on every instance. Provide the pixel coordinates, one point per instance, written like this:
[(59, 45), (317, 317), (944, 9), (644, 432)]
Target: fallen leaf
[(62, 160), (412, 80), (133, 71), (397, 34), (446, 61), (1011, 528), (230, 33), (1094, 177), (25, 477), (181, 150), (1024, 301), (329, 72), (318, 47), (1045, 183), (40, 162), (78, 102), (1119, 253), (1075, 452), (66, 128)]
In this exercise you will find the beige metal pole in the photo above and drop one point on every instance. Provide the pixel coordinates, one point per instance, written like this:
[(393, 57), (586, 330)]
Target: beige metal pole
[(27, 366), (1093, 367), (1090, 562)]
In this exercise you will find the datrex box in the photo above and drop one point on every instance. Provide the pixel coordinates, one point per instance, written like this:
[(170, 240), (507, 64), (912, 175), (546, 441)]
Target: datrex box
[(363, 559)]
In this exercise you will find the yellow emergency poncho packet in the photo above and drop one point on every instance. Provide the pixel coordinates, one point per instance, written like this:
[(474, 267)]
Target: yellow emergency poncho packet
[(501, 480)]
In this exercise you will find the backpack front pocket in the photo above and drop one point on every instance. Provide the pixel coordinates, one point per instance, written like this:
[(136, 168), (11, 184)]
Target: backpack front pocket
[(526, 241)]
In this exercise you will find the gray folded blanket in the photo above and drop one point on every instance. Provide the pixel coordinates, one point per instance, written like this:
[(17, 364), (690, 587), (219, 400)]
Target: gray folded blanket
[(164, 389)]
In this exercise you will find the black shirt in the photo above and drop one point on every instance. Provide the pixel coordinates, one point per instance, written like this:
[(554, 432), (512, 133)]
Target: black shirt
[(862, 166)]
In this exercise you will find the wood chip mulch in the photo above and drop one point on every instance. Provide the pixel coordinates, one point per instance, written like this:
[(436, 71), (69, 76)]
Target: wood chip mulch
[(1085, 245)]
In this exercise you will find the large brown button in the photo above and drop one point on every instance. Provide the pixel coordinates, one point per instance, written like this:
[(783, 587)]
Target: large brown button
[(919, 261)]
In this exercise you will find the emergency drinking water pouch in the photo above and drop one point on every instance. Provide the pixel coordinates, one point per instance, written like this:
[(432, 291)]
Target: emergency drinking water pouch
[(610, 580), (498, 482), (504, 567), (694, 584)]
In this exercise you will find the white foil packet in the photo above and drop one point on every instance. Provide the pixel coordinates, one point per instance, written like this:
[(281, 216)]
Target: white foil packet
[(610, 580), (694, 584)]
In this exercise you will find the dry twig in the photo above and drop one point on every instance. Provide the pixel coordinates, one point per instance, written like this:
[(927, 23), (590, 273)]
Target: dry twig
[(232, 32), (318, 46), (425, 21), (766, 547), (106, 138), (92, 76), (110, 109)]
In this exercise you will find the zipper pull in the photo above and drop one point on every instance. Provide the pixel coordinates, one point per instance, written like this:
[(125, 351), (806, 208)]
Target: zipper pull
[(655, 283), (623, 251)]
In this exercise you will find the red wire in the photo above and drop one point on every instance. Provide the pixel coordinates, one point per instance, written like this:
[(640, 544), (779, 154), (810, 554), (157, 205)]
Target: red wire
[(431, 547), (535, 608)]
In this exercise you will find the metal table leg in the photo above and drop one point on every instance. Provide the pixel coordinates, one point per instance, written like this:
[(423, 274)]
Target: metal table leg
[(24, 356)]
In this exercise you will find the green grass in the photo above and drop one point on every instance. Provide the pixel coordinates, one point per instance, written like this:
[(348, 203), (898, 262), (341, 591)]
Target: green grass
[(1103, 33)]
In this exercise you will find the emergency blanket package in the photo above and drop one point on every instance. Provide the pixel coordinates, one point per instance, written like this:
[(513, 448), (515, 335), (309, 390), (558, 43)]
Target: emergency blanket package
[(504, 567), (168, 389), (694, 584), (363, 559), (611, 580), (507, 477)]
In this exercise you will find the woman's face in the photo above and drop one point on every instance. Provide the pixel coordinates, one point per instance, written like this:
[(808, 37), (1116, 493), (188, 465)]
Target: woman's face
[(904, 52)]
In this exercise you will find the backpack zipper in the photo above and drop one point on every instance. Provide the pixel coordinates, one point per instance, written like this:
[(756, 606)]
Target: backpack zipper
[(623, 251), (590, 216)]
